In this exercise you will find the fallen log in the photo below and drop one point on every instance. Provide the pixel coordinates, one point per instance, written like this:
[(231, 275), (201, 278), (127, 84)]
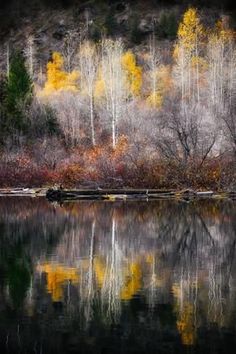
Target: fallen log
[(130, 194), (23, 192)]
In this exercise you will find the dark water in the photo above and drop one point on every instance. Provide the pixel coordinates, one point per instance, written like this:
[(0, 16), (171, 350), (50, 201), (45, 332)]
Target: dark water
[(96, 277)]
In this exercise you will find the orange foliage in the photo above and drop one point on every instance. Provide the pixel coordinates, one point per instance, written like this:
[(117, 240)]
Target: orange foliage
[(121, 147), (70, 174)]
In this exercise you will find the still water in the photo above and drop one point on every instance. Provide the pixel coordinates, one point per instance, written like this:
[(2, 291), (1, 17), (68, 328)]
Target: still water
[(102, 277)]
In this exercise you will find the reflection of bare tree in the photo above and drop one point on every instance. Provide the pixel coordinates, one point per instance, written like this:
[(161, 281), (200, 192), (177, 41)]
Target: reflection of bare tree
[(168, 236), (89, 288), (113, 277), (104, 254)]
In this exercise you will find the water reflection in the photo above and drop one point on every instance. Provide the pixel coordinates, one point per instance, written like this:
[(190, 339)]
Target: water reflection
[(122, 277)]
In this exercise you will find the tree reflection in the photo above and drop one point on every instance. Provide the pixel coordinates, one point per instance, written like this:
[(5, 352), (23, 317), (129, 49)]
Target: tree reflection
[(98, 259)]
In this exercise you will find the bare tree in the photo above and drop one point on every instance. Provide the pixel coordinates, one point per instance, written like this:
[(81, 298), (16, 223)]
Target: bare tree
[(68, 108), (114, 83), (8, 58), (88, 66), (187, 136), (153, 62), (29, 53), (70, 45)]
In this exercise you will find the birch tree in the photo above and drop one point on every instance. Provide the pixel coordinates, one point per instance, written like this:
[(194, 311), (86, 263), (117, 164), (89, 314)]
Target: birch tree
[(133, 73), (29, 53), (221, 57), (187, 55), (69, 49), (8, 59), (153, 62), (88, 66), (114, 83)]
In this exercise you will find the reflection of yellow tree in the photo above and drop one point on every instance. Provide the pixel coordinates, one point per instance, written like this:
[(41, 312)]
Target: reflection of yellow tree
[(133, 283), (185, 316), (133, 278), (100, 269), (57, 275), (185, 324)]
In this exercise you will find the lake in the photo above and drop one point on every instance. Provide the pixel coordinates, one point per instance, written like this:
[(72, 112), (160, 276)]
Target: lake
[(122, 277)]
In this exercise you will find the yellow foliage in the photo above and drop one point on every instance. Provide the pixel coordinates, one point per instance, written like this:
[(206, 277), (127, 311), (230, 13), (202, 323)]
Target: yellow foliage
[(99, 89), (57, 275), (185, 318), (57, 79), (200, 62), (190, 33), (133, 73), (176, 52), (155, 99), (190, 29), (223, 32), (164, 83), (133, 283), (185, 325), (100, 269), (164, 77), (150, 258), (176, 290)]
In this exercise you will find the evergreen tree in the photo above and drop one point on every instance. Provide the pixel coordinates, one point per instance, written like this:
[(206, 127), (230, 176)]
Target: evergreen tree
[(168, 25), (110, 22), (3, 112), (135, 33), (19, 90)]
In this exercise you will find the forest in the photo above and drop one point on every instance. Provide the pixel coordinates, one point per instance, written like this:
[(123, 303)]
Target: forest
[(106, 112)]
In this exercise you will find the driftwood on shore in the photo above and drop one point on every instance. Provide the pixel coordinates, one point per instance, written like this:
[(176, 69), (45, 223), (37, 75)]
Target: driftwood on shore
[(23, 192), (133, 194), (61, 195)]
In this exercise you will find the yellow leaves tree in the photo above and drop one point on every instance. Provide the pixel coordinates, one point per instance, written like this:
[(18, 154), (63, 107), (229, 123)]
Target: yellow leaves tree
[(133, 73), (223, 31), (185, 324), (185, 316), (163, 86), (187, 54), (88, 61), (155, 99), (57, 78), (99, 90), (133, 283), (152, 58), (221, 63), (190, 30)]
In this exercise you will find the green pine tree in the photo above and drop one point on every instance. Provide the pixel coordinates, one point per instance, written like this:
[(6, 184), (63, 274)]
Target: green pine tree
[(110, 23), (19, 93), (3, 111), (135, 33)]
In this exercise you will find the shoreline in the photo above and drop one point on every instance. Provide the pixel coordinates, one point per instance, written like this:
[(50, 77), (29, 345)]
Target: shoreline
[(112, 194)]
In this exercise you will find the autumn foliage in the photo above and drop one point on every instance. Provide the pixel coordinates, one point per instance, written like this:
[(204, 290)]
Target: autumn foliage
[(57, 78), (162, 116), (133, 73)]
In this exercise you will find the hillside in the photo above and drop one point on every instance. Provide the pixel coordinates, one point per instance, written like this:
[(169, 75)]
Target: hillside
[(50, 21), (118, 93)]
